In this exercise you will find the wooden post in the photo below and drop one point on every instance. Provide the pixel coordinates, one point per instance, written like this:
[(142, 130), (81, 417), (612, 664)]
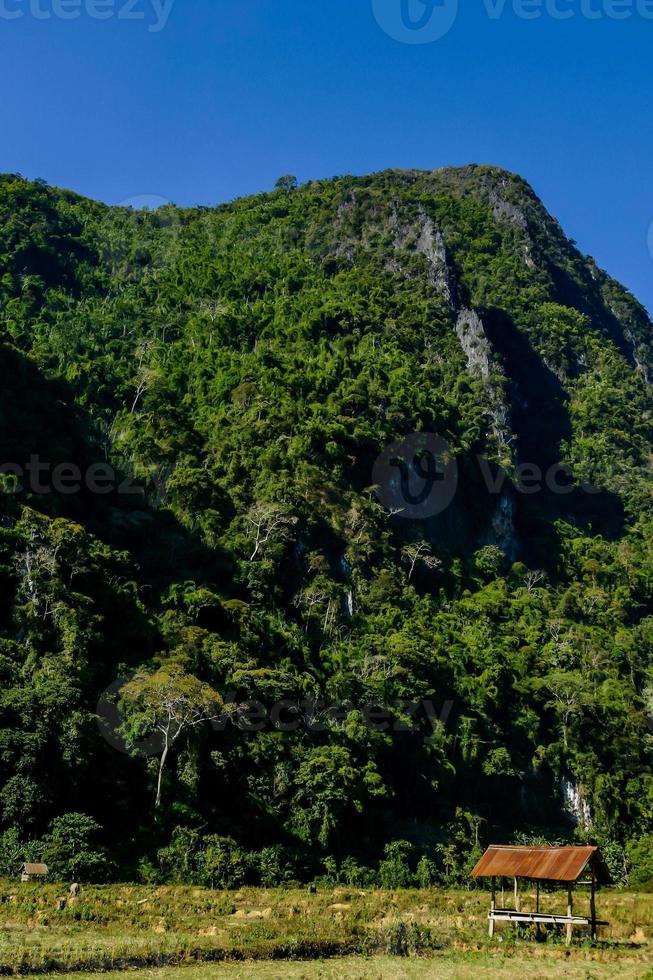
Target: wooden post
[(493, 905), (570, 912), (593, 907), (517, 901), (537, 896)]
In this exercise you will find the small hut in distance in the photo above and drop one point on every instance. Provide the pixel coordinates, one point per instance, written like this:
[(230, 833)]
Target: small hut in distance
[(33, 872), (564, 866)]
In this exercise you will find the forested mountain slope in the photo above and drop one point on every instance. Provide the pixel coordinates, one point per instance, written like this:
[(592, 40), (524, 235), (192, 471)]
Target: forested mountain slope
[(241, 369)]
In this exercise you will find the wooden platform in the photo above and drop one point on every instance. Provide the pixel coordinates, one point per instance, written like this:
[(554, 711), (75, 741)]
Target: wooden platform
[(544, 918)]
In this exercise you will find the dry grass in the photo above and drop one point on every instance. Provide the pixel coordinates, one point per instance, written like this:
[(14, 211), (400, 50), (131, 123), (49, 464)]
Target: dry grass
[(119, 927), (450, 966)]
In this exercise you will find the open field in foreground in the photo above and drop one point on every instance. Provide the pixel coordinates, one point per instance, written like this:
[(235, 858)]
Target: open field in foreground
[(442, 966), (184, 933)]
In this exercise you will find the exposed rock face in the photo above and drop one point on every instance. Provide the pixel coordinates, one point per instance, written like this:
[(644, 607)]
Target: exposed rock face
[(504, 210), (431, 244), (349, 604), (474, 342), (639, 363), (421, 234), (500, 192), (478, 351), (575, 804), (508, 211), (412, 231), (348, 597), (503, 533)]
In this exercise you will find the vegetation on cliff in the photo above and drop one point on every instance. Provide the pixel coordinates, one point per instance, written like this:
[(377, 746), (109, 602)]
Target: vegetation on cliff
[(192, 404)]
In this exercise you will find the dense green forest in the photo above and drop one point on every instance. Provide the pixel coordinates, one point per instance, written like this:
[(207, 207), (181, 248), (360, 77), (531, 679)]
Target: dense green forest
[(192, 405)]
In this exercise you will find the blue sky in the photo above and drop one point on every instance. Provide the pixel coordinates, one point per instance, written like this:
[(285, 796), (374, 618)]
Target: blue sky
[(206, 100)]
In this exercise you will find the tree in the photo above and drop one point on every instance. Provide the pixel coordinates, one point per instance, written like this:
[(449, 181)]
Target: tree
[(265, 522), (170, 702), (12, 853), (329, 782), (533, 578), (36, 568), (420, 552), (146, 376), (570, 695), (489, 561), (287, 183), (70, 850)]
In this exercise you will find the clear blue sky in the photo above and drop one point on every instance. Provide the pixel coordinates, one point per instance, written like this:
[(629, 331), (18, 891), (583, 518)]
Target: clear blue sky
[(232, 93)]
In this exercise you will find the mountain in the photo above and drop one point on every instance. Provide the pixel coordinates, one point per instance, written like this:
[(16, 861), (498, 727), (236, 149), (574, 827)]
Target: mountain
[(375, 447)]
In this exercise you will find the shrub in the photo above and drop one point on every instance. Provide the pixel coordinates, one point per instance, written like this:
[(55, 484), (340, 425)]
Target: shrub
[(331, 876), (11, 853), (640, 856), (178, 861), (394, 870), (407, 939), (357, 875), (616, 859), (272, 866), (148, 872), (70, 852), (427, 872), (221, 863)]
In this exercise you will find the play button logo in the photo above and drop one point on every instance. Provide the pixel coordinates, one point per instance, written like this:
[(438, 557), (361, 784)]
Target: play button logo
[(416, 477), (416, 21)]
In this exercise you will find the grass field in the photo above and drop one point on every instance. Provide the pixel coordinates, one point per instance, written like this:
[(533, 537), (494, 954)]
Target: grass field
[(182, 933), (449, 966)]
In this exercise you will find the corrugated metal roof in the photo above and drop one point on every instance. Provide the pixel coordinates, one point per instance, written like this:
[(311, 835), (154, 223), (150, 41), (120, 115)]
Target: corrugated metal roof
[(35, 869), (540, 863)]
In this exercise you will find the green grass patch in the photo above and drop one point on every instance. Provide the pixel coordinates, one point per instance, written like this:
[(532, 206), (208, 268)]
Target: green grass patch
[(114, 928)]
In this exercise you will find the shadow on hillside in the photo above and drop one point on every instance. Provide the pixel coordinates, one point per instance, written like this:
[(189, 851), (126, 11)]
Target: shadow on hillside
[(538, 406), (541, 423), (39, 418), (585, 299)]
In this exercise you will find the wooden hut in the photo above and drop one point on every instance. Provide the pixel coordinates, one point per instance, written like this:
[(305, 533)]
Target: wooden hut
[(33, 872), (563, 866)]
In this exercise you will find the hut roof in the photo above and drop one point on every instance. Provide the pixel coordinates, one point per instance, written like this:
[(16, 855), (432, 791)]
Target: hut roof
[(541, 863), (35, 869)]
